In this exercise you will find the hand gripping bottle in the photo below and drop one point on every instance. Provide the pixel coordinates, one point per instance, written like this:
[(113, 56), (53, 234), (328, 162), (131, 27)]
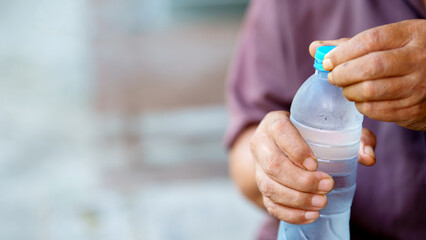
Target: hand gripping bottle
[(331, 125)]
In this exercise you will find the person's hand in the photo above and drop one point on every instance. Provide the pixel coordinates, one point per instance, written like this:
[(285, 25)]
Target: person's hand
[(383, 70), (285, 168)]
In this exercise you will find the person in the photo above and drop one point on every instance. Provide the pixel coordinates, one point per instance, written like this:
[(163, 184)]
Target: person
[(382, 68)]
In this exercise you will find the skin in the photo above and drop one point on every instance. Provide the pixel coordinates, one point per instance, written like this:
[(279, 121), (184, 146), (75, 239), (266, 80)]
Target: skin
[(382, 70), (267, 164)]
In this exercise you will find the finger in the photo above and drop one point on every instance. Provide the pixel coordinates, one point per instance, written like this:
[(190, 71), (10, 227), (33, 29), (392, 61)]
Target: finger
[(398, 111), (276, 165), (289, 140), (367, 156), (290, 215), (379, 90), (380, 38), (374, 65), (288, 197), (316, 44)]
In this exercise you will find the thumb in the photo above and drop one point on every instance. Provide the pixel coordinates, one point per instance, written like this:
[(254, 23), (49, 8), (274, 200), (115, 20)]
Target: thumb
[(315, 44), (367, 156)]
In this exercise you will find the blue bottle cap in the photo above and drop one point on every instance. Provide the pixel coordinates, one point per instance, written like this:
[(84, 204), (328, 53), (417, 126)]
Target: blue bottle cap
[(319, 56)]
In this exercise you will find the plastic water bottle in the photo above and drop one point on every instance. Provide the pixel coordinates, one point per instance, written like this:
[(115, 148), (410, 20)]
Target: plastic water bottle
[(332, 126)]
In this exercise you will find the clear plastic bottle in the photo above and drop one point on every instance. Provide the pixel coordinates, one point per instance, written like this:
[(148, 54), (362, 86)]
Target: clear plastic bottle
[(332, 126)]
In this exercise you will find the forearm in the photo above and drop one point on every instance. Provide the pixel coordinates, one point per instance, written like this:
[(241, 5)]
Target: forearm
[(241, 167)]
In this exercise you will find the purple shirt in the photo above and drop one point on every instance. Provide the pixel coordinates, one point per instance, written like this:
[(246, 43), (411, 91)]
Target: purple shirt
[(271, 63)]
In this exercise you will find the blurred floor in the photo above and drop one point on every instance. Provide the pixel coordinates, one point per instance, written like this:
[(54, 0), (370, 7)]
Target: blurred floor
[(111, 120)]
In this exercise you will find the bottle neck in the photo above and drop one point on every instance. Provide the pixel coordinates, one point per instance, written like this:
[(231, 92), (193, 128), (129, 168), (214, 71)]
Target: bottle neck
[(321, 74)]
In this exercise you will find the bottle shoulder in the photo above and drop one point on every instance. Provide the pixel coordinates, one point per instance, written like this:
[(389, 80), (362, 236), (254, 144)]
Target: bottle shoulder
[(319, 104)]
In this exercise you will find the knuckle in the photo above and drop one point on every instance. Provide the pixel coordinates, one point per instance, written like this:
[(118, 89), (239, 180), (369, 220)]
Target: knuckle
[(297, 154), (280, 125), (272, 167), (270, 207), (275, 114), (253, 144), (411, 57), (307, 181), (344, 39), (277, 126), (257, 147), (418, 111), (419, 83), (371, 38), (365, 108), (367, 90), (298, 200), (266, 188), (298, 151), (270, 115), (377, 64), (411, 101)]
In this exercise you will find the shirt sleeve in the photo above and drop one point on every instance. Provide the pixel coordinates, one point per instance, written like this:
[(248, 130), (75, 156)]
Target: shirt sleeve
[(255, 85)]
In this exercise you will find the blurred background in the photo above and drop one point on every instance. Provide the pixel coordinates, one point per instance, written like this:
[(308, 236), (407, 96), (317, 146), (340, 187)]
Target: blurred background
[(112, 117)]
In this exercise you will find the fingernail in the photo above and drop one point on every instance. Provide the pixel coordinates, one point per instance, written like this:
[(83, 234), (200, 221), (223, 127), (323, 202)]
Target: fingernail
[(330, 78), (318, 201), (325, 185), (310, 164), (327, 64), (369, 151), (310, 215)]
